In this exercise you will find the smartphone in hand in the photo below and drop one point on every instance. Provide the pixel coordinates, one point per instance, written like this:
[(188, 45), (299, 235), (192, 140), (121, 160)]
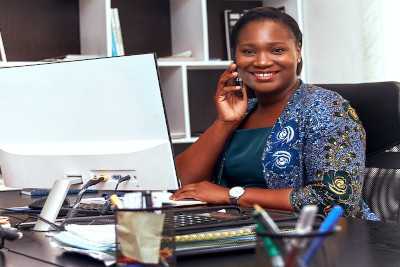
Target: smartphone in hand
[(239, 82)]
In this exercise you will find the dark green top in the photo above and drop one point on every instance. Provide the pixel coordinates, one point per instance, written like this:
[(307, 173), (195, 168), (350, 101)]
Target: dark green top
[(243, 166)]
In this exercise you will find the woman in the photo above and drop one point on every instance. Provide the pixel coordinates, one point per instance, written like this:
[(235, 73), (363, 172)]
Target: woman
[(294, 144)]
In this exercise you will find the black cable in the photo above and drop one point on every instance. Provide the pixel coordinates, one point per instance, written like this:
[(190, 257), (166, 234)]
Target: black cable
[(85, 187), (120, 180), (55, 226), (32, 257), (30, 216)]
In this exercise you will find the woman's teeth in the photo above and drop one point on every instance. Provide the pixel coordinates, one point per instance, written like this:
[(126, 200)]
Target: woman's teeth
[(263, 75)]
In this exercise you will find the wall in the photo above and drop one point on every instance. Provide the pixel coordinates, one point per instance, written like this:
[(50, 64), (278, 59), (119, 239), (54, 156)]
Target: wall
[(333, 41)]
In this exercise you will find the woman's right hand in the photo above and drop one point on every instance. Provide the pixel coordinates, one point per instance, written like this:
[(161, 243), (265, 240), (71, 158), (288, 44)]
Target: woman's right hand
[(230, 99)]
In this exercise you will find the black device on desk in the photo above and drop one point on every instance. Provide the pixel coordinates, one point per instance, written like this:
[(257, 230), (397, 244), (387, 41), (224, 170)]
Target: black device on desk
[(235, 226), (37, 204)]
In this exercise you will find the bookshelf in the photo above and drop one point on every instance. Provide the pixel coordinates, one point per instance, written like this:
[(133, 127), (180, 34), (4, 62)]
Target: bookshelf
[(42, 29)]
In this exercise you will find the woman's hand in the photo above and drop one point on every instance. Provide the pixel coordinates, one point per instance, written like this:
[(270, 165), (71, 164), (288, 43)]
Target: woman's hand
[(230, 99), (203, 191)]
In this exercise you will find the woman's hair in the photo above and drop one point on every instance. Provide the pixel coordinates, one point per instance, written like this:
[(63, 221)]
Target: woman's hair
[(268, 13)]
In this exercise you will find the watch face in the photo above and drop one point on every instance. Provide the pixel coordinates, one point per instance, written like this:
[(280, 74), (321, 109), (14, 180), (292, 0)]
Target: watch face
[(236, 191)]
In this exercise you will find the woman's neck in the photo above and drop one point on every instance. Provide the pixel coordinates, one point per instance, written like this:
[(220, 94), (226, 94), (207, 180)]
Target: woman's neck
[(269, 108), (272, 102)]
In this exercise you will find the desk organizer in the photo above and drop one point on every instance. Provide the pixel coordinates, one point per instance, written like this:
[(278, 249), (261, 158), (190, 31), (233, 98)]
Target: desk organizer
[(291, 249)]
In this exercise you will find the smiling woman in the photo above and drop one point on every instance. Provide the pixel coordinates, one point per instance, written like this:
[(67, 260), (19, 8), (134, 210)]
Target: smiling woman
[(293, 145)]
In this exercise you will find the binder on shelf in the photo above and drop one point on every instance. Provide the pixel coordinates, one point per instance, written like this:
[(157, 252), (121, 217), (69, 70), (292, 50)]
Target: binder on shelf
[(116, 34), (114, 51), (230, 18), (3, 57)]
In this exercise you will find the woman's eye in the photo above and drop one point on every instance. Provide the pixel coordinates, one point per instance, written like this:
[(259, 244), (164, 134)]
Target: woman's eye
[(248, 52), (278, 51)]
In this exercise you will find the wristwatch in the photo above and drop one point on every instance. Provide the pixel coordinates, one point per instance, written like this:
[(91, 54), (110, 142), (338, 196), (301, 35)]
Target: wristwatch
[(234, 194)]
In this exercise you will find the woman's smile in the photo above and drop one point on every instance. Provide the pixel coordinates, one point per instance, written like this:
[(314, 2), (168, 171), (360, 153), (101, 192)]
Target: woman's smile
[(266, 76)]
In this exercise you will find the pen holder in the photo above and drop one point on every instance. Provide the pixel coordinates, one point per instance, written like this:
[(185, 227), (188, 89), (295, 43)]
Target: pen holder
[(290, 249), (143, 237)]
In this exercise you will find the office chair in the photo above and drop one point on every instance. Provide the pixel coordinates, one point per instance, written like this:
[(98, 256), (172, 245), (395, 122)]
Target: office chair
[(378, 106)]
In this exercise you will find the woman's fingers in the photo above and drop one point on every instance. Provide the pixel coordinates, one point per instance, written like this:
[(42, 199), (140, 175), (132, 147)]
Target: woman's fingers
[(230, 89), (190, 188), (185, 195), (227, 78), (229, 74)]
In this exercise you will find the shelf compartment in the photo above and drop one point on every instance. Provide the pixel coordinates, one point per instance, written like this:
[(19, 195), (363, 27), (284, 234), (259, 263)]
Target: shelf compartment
[(145, 26), (171, 79), (36, 30), (201, 90)]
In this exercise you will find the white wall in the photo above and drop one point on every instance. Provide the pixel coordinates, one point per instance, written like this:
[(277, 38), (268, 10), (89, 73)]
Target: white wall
[(333, 41), (391, 39)]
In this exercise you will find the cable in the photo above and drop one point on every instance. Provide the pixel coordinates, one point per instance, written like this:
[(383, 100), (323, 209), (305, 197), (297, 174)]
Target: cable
[(85, 187), (32, 257), (120, 180), (30, 215)]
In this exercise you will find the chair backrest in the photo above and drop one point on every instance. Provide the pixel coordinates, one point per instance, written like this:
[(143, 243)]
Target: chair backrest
[(378, 106)]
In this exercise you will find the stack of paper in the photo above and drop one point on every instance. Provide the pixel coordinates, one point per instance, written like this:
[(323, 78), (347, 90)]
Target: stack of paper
[(81, 239)]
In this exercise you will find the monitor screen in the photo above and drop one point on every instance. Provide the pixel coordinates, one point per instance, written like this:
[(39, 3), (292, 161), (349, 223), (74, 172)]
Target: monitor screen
[(87, 117)]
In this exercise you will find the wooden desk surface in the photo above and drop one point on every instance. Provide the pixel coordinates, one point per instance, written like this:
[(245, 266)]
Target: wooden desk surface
[(359, 243)]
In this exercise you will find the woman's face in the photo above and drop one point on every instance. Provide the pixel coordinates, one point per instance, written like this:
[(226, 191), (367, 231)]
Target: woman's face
[(267, 56)]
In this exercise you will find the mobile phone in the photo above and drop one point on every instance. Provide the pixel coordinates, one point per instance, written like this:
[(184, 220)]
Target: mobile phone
[(239, 82)]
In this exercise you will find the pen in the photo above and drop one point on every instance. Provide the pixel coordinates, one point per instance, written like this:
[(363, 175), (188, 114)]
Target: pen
[(265, 222), (265, 219), (303, 226), (271, 248), (327, 225)]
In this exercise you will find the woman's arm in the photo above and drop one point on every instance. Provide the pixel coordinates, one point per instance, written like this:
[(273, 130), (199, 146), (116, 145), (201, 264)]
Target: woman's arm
[(198, 161), (216, 194)]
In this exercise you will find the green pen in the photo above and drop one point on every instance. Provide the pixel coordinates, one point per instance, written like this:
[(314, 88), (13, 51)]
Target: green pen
[(270, 247)]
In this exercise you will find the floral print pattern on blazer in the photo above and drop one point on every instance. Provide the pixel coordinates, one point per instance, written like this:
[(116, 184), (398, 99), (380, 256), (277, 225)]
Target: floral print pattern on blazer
[(316, 147)]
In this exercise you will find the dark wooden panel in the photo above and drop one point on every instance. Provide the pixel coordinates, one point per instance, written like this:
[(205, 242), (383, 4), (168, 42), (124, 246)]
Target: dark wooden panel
[(216, 28), (39, 29), (145, 26), (202, 84)]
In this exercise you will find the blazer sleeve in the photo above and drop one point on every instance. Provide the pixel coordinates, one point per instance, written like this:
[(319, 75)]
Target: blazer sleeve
[(334, 157)]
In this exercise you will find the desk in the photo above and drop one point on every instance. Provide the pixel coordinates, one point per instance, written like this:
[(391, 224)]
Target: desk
[(360, 243)]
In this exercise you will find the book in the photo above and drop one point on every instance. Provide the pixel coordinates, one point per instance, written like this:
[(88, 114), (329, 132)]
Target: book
[(118, 32), (2, 50), (230, 19), (114, 48)]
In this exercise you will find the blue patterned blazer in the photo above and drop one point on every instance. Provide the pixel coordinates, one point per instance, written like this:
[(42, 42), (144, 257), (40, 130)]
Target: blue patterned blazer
[(316, 147)]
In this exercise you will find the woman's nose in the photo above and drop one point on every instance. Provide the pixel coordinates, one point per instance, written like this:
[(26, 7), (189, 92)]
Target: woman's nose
[(263, 60)]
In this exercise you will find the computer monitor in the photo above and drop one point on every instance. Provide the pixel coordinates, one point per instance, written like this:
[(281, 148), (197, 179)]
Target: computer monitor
[(81, 117), (84, 118)]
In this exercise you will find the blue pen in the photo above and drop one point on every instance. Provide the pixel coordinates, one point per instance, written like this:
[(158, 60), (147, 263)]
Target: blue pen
[(327, 225)]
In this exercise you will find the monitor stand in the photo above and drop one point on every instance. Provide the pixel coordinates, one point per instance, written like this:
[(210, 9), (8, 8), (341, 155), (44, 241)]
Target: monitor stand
[(54, 202)]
